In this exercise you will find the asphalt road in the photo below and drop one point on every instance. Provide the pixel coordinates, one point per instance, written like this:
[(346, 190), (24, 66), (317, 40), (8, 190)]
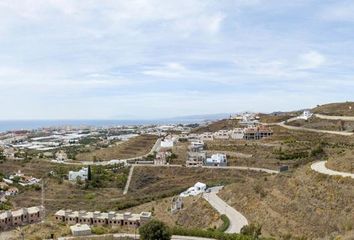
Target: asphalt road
[(321, 168), (237, 220)]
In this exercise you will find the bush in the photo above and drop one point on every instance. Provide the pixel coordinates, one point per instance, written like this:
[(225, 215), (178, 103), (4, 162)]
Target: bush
[(154, 230), (99, 230), (226, 223), (252, 230)]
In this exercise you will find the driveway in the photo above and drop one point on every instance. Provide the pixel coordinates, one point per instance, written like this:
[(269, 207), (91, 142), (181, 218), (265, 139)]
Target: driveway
[(321, 168), (237, 220)]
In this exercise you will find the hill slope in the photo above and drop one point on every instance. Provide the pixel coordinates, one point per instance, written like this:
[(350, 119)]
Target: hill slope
[(336, 109)]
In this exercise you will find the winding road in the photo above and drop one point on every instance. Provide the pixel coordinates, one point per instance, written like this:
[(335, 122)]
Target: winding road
[(282, 124), (320, 167), (237, 220), (328, 117)]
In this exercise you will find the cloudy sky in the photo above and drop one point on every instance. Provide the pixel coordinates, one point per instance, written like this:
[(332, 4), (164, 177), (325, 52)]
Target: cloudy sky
[(85, 59)]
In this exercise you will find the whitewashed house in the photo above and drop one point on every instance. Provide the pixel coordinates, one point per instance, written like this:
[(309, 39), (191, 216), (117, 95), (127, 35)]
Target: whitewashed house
[(217, 159), (198, 188), (305, 115), (82, 174)]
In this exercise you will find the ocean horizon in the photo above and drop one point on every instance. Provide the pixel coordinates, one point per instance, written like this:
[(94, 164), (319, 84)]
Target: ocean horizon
[(12, 125)]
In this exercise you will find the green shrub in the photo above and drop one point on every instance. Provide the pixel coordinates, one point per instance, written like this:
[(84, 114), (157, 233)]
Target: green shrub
[(226, 223), (154, 230)]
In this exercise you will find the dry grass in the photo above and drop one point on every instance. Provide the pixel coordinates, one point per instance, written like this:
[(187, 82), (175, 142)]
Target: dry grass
[(324, 124), (134, 147), (304, 204), (147, 180), (225, 124), (342, 161), (336, 109), (180, 149), (196, 213), (275, 118)]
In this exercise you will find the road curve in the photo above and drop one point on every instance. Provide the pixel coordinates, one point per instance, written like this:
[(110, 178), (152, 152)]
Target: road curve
[(320, 167), (237, 220), (344, 118), (282, 124)]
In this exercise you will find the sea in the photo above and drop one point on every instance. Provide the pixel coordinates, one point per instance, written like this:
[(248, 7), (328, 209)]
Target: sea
[(11, 125)]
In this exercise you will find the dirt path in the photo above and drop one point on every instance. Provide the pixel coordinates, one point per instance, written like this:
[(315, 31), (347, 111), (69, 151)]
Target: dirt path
[(126, 188)]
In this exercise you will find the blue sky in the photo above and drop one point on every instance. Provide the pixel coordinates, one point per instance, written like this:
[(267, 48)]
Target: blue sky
[(85, 59)]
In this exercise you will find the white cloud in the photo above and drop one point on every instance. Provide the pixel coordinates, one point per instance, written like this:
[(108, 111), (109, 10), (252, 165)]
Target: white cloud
[(339, 11), (311, 60)]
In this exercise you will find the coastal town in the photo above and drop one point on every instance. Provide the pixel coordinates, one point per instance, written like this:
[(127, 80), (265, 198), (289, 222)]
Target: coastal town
[(175, 146)]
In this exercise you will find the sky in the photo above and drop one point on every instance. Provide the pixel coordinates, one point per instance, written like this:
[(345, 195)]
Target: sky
[(119, 59)]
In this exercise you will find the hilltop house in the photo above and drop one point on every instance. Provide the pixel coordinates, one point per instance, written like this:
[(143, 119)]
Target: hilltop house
[(198, 188), (218, 159), (82, 174), (20, 217), (305, 115), (101, 218)]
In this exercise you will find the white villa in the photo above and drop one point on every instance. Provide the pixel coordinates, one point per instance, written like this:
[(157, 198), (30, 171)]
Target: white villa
[(198, 188), (305, 115), (218, 159), (82, 174)]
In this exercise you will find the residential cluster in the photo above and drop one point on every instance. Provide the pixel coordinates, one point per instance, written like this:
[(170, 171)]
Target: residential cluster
[(102, 218), (23, 216)]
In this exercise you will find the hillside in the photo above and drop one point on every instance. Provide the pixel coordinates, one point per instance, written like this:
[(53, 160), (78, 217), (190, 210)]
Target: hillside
[(225, 124), (134, 147), (335, 109), (305, 204), (324, 124)]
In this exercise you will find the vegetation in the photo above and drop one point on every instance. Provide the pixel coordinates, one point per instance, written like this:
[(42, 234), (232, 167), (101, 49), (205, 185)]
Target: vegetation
[(226, 223), (154, 230)]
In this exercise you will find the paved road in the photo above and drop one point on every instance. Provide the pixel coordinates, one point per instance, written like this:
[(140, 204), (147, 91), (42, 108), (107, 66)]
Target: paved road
[(344, 118), (321, 168), (282, 124), (237, 220), (266, 170)]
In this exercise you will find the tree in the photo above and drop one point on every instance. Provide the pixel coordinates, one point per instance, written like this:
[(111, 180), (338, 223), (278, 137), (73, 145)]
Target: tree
[(154, 230), (89, 177)]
